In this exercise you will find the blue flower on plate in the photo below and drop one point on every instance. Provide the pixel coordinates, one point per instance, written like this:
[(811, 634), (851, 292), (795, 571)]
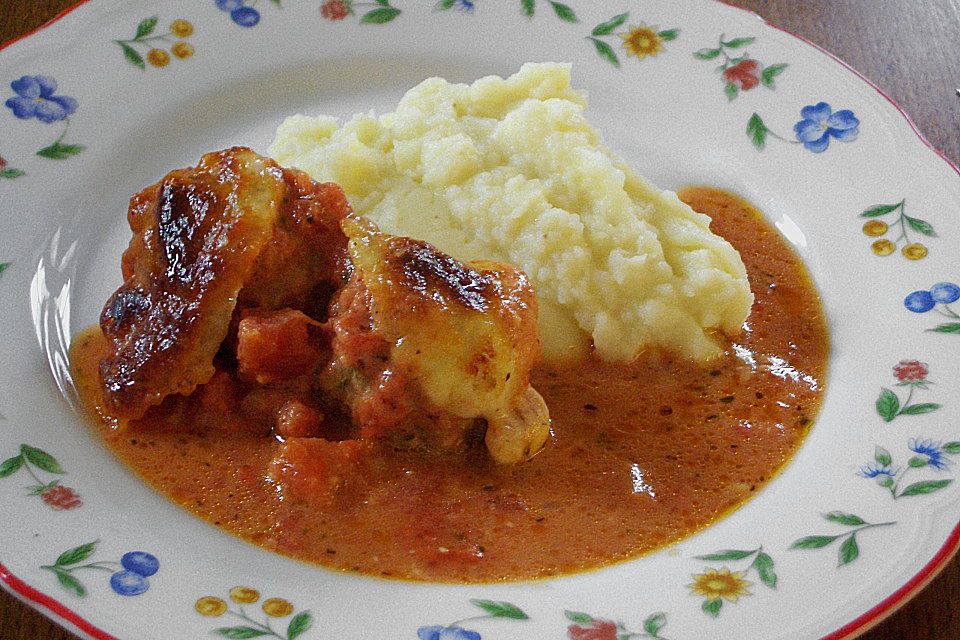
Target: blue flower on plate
[(875, 470), (819, 123), (451, 632), (35, 99), (464, 5), (932, 451)]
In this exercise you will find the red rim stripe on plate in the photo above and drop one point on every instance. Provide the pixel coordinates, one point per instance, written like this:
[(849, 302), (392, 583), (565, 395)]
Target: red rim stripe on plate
[(54, 606), (849, 630)]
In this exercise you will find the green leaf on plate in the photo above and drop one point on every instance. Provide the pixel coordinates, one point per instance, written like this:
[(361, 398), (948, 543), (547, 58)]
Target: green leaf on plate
[(923, 488), (888, 404), (68, 582), (768, 74), (952, 447), (446, 4), (764, 566), (922, 226), (132, 55), (578, 617), (917, 462), (608, 27), (813, 542), (563, 12), (3, 267), (849, 550), (731, 91), (668, 34), (706, 54), (880, 210), (654, 623), (736, 43), (76, 554), (606, 52), (240, 633), (501, 609), (712, 607), (757, 131), (726, 555), (299, 625), (40, 458), (529, 6), (920, 408), (145, 27), (380, 16), (11, 173), (882, 456), (949, 327), (847, 519), (60, 151), (10, 466)]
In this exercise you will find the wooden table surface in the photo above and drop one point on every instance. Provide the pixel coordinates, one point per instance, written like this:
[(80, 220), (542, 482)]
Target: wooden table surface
[(910, 48)]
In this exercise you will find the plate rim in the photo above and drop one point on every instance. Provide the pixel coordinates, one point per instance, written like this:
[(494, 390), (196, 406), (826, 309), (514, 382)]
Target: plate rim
[(59, 613)]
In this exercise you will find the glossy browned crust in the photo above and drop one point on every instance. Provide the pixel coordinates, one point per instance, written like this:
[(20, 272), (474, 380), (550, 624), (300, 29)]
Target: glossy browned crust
[(236, 227)]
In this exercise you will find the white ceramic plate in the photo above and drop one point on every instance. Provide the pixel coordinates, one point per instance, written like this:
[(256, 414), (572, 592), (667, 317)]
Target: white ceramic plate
[(862, 517)]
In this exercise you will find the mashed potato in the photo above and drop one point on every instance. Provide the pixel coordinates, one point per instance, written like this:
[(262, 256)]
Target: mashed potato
[(510, 170)]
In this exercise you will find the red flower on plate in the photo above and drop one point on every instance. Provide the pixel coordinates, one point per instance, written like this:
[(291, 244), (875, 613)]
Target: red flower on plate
[(745, 75), (334, 10), (910, 371), (598, 630), (61, 498)]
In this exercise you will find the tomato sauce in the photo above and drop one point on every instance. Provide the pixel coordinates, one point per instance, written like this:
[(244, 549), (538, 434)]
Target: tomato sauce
[(642, 455)]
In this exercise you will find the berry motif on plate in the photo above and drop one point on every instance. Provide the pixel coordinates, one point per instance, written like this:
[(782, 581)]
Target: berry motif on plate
[(913, 375), (456, 631), (740, 72), (273, 610), (36, 97), (148, 41), (937, 298), (875, 228), (639, 41), (8, 172), (849, 547), (242, 12), (818, 124), (717, 585), (129, 577), (33, 461), (928, 454), (375, 12), (586, 627)]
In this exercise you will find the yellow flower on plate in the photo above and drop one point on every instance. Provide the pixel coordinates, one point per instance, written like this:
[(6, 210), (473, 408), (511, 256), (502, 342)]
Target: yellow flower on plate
[(720, 583), (277, 607), (211, 606), (642, 41), (158, 57), (182, 50), (244, 595)]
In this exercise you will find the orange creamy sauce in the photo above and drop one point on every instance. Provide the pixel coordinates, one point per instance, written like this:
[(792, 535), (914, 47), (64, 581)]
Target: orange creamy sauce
[(642, 455)]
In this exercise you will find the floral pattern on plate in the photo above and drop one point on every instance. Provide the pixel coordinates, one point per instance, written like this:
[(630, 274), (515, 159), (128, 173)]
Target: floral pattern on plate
[(32, 461), (818, 124), (740, 71), (273, 609), (717, 585), (456, 631), (36, 98), (928, 454), (920, 467), (143, 45), (875, 227), (587, 627), (128, 577)]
